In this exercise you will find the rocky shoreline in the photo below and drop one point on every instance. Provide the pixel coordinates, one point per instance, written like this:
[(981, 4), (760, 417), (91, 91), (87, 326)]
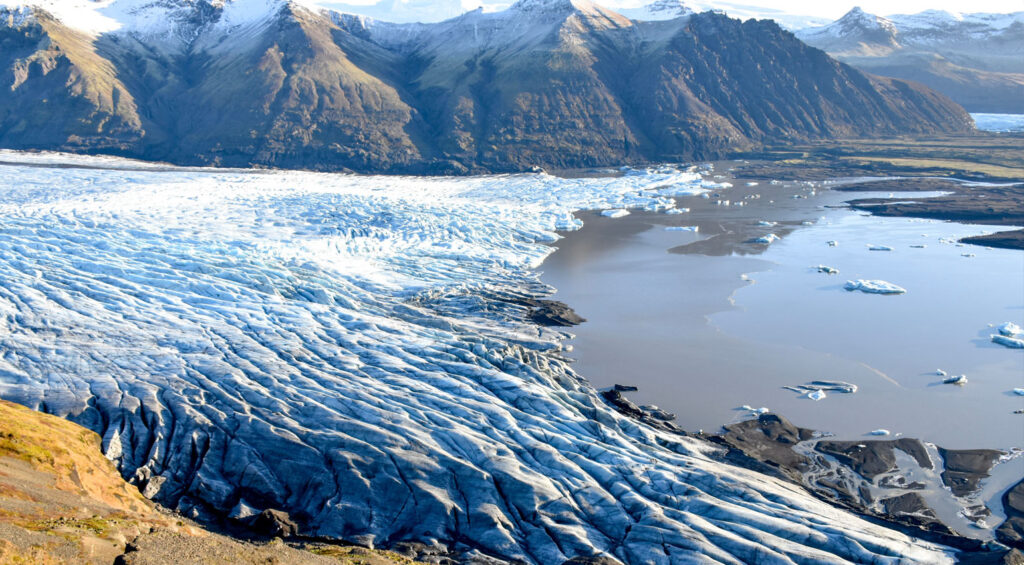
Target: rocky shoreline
[(849, 474)]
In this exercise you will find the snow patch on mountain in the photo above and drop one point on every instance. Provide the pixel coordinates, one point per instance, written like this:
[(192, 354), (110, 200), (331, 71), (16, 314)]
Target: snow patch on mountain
[(356, 351)]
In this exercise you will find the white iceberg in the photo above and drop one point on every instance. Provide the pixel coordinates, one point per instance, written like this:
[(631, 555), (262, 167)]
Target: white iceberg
[(827, 270), (1018, 391), (1007, 341), (683, 228), (767, 223), (940, 372), (879, 432), (833, 243), (959, 380), (673, 211), (766, 239), (872, 247), (614, 213), (874, 287), (815, 390), (1010, 329)]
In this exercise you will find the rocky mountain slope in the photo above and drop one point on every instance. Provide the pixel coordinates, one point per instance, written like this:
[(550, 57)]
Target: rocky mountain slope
[(975, 59), (549, 83), (63, 503)]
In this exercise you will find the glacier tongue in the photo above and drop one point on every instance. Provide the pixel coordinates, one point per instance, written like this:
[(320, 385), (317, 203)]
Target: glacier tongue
[(350, 350)]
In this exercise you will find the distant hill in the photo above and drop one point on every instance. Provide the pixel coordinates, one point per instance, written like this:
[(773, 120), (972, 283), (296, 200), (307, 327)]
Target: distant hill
[(546, 83), (975, 59)]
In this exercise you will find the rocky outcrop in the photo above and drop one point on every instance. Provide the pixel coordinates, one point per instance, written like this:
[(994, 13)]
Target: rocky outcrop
[(550, 83), (63, 503)]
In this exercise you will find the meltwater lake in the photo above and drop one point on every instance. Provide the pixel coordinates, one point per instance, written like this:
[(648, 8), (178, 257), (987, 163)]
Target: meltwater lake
[(707, 321)]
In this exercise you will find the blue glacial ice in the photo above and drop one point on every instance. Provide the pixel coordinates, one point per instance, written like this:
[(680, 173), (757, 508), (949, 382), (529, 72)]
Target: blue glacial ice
[(874, 287), (353, 350)]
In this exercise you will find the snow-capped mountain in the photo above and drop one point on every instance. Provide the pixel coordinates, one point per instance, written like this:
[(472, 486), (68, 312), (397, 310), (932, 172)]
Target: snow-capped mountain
[(978, 59), (549, 83)]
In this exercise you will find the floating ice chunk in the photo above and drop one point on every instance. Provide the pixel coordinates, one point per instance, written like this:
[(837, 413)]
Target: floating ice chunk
[(1007, 341), (879, 432), (872, 247), (752, 410), (835, 386), (807, 223), (874, 287), (753, 183), (766, 239), (767, 223), (1010, 329), (919, 246), (827, 270), (959, 380), (815, 390), (940, 372), (705, 196), (677, 211), (683, 228), (1018, 391), (615, 213), (968, 255), (833, 243)]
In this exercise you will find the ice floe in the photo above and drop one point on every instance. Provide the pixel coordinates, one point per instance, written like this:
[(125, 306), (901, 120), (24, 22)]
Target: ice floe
[(766, 239), (959, 380), (1010, 329), (873, 247), (614, 213), (1007, 341), (827, 270), (879, 432), (683, 228), (356, 351), (874, 287), (815, 390)]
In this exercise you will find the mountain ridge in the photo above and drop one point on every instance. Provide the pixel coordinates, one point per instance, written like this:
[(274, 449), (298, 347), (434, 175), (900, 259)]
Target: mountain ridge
[(975, 59), (548, 83)]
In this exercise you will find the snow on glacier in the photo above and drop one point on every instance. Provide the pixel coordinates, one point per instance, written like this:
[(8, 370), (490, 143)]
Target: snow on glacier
[(353, 350)]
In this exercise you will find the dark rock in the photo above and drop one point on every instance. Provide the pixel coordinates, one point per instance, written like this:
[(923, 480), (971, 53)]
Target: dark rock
[(1011, 532), (595, 560), (769, 439), (873, 458), (554, 313), (910, 504), (964, 469), (275, 524), (998, 557), (626, 388)]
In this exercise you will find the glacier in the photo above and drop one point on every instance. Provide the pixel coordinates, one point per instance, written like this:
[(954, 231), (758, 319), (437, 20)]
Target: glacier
[(356, 351)]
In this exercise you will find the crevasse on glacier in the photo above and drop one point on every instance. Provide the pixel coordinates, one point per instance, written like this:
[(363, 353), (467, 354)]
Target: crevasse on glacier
[(344, 348)]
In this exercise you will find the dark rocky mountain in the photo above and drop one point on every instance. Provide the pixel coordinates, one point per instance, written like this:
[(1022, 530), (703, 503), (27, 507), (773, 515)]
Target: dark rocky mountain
[(549, 83), (975, 59)]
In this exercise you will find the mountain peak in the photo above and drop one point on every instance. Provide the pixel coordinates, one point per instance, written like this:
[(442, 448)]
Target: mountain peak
[(554, 6)]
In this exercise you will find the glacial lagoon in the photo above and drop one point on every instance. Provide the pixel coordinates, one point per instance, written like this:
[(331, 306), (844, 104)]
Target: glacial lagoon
[(706, 322)]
